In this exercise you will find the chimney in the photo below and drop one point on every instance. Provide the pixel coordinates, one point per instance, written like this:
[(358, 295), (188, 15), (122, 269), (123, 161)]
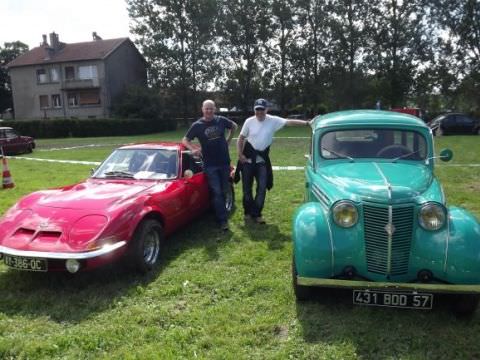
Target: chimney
[(44, 42), (95, 36), (54, 42)]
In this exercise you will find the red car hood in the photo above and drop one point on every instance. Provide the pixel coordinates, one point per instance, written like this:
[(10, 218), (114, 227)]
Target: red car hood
[(95, 194), (46, 225)]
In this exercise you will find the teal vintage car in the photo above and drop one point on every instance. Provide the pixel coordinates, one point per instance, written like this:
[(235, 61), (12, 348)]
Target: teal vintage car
[(376, 220)]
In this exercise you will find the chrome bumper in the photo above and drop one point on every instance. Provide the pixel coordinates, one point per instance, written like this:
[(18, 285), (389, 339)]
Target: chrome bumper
[(352, 284), (63, 255)]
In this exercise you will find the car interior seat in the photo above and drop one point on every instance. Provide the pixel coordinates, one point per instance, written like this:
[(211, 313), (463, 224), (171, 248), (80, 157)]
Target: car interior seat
[(172, 166), (137, 162)]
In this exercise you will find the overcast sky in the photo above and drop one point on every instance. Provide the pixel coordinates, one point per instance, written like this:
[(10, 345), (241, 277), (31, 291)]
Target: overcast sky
[(73, 20)]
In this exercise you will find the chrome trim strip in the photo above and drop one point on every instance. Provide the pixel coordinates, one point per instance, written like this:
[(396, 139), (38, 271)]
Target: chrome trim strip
[(389, 240), (353, 284), (63, 255), (320, 195), (387, 184)]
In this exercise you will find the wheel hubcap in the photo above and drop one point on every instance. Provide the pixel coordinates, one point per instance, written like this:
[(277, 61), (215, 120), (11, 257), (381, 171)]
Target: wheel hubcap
[(151, 247)]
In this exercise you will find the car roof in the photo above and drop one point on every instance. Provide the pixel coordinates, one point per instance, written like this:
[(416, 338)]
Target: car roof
[(454, 113), (155, 145), (367, 117), (5, 128)]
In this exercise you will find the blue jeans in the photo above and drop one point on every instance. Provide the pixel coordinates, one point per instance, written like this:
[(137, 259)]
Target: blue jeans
[(254, 206), (218, 177)]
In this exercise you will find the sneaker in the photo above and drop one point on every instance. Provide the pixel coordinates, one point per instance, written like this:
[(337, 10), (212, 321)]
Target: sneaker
[(224, 226), (260, 220), (247, 217)]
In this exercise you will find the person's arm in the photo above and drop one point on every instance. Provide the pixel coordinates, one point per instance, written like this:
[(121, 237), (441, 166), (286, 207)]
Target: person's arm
[(295, 122), (240, 146), (231, 131), (196, 151)]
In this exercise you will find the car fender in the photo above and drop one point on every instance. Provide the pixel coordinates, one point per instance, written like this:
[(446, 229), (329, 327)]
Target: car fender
[(143, 211), (463, 254), (312, 241)]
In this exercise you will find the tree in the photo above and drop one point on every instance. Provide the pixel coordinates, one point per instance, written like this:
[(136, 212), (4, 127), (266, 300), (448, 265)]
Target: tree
[(244, 31), (10, 51), (460, 48), (279, 65), (400, 43), (312, 42), (176, 37), (350, 22)]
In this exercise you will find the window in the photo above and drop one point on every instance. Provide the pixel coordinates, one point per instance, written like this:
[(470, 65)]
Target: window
[(190, 163), (72, 99), (84, 98), (54, 76), (56, 101), (10, 134), (373, 143), (87, 72), (69, 73), (44, 101), (89, 97), (42, 76)]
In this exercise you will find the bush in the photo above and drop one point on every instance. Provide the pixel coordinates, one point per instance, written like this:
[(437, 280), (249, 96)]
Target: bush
[(61, 128), (139, 103)]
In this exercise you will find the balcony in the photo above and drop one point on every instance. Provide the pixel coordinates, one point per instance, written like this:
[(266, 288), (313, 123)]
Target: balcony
[(75, 84)]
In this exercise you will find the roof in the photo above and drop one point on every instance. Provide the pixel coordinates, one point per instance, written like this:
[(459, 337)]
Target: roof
[(367, 117), (90, 50)]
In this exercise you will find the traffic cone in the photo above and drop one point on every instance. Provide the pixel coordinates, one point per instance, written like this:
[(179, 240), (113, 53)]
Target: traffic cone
[(7, 181)]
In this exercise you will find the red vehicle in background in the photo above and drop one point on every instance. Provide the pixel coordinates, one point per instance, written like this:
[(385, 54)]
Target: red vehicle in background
[(411, 111), (12, 143)]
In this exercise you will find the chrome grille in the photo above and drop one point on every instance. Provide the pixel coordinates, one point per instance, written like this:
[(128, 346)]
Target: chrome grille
[(379, 260)]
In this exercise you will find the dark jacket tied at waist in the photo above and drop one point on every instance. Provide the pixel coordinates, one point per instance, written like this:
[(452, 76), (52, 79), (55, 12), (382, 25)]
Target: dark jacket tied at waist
[(251, 154)]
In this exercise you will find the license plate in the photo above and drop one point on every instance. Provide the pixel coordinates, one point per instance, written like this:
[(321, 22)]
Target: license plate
[(25, 263), (410, 300)]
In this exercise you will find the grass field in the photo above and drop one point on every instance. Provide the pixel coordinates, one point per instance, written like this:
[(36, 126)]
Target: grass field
[(216, 295)]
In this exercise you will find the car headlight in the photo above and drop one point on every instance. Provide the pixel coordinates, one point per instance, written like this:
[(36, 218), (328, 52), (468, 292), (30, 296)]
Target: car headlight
[(86, 229), (345, 214), (432, 216)]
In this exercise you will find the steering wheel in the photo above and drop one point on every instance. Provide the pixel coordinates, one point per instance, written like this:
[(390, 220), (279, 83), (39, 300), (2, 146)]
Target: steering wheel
[(393, 151)]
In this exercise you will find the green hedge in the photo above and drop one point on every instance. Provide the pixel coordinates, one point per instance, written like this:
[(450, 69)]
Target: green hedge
[(61, 128)]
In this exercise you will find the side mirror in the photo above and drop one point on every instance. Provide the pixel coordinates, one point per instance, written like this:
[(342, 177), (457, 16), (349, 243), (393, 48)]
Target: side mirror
[(92, 171), (446, 155), (188, 174)]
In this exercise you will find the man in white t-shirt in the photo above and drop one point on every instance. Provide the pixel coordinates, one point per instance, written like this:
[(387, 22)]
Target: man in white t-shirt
[(253, 147)]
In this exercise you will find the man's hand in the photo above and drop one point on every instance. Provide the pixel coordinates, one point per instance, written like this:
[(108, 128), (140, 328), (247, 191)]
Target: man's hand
[(242, 158), (197, 152)]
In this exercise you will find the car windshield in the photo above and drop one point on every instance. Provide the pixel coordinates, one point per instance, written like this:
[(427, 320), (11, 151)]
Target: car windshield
[(139, 164), (373, 143)]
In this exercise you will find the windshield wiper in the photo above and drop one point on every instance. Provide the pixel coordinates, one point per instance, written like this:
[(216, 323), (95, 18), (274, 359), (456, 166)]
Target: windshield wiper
[(405, 155), (338, 154), (121, 174)]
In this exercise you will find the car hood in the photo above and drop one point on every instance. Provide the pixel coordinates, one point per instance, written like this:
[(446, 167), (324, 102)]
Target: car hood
[(380, 180), (95, 194)]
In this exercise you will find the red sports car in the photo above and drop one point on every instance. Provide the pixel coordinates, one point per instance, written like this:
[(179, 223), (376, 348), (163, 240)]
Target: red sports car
[(136, 197)]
